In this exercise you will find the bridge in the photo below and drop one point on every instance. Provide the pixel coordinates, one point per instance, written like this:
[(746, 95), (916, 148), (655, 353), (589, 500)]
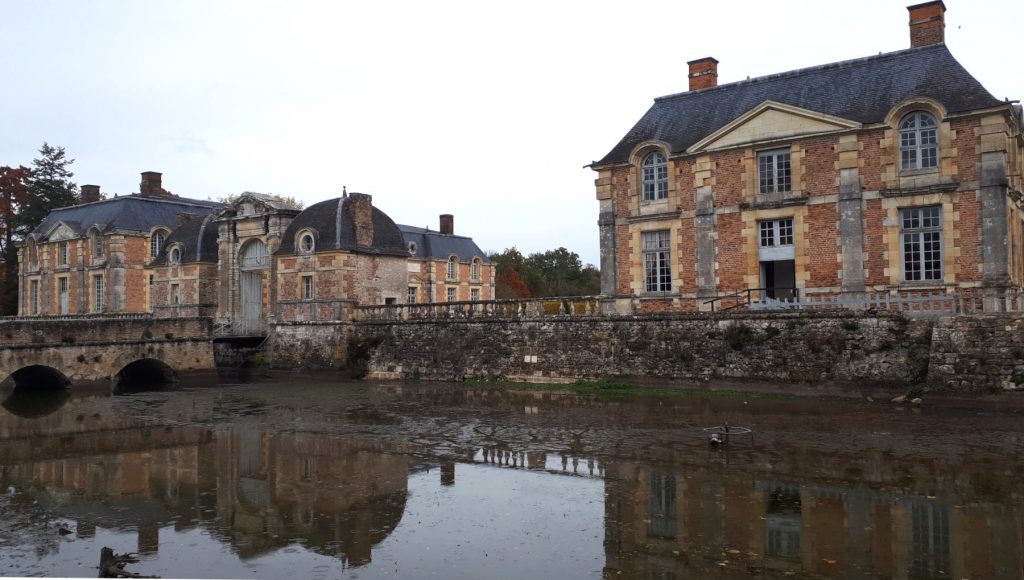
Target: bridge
[(54, 351)]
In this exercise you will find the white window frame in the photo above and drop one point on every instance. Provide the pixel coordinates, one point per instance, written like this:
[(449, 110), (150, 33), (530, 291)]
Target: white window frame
[(156, 243), (775, 233), (62, 253), (474, 294), (921, 251), (410, 295), (654, 170), (919, 142), (34, 296), (774, 171), (64, 287), (175, 293), (474, 270), (452, 272), (451, 295), (307, 287), (97, 293), (657, 258)]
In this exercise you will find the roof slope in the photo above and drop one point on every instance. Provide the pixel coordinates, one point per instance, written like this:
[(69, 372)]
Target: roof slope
[(432, 244), (198, 241), (127, 213), (331, 222), (862, 90)]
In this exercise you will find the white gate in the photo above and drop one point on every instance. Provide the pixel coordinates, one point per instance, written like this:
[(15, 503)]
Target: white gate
[(63, 296), (254, 259)]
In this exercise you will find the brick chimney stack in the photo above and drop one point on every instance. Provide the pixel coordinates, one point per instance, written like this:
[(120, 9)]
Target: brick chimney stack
[(151, 184), (703, 73), (447, 224), (90, 193), (927, 23), (360, 207)]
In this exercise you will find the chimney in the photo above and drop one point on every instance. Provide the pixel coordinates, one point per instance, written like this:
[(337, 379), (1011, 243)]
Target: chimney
[(703, 73), (927, 23), (447, 224), (90, 193), (360, 207), (150, 184)]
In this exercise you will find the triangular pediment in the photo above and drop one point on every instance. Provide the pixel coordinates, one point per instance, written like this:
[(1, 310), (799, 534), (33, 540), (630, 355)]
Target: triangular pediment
[(60, 231), (771, 121)]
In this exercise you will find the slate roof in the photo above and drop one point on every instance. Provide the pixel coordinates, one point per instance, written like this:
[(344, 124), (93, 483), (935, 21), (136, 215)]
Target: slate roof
[(324, 219), (862, 90), (431, 244), (128, 213), (198, 241)]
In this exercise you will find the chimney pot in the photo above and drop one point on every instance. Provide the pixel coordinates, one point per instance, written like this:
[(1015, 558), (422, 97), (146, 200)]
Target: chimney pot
[(927, 23), (703, 73), (151, 184), (447, 224), (90, 193)]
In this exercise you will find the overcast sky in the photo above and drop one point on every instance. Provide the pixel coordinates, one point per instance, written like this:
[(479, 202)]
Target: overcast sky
[(484, 110)]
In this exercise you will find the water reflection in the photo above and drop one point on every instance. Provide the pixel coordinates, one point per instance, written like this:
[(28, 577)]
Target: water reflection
[(260, 482)]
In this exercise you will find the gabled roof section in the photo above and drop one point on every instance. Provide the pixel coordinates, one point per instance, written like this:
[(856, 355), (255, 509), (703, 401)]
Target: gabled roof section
[(770, 121), (433, 245), (862, 90), (133, 214)]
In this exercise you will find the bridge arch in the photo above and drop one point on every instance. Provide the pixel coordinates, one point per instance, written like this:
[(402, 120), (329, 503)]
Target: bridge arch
[(35, 378), (144, 374)]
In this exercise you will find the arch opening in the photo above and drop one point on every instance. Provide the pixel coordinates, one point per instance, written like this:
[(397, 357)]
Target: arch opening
[(147, 374), (35, 391)]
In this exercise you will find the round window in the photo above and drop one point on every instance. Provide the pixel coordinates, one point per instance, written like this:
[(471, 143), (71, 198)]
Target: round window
[(175, 256), (306, 243)]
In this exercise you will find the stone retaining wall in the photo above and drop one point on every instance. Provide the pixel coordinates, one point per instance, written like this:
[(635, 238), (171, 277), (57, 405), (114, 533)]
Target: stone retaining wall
[(847, 348), (983, 353)]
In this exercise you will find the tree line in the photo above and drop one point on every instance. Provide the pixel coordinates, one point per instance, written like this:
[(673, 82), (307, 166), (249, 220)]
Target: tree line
[(27, 195), (557, 272)]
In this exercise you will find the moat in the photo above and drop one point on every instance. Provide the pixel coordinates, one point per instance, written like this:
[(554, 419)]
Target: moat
[(311, 476)]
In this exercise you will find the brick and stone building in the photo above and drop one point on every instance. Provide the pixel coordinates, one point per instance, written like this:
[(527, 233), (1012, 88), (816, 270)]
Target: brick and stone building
[(896, 173), (444, 267), (95, 257)]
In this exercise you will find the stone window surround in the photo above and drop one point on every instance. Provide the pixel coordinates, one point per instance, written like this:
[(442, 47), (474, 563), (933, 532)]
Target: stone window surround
[(305, 241), (920, 233), (917, 131)]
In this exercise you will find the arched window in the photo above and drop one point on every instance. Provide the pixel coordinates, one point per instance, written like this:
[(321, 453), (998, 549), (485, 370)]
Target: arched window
[(918, 141), (97, 244), (453, 268), (306, 243), (474, 270), (254, 255), (156, 243), (655, 169)]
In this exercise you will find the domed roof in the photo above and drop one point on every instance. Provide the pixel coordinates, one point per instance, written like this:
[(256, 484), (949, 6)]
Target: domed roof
[(331, 224), (197, 238)]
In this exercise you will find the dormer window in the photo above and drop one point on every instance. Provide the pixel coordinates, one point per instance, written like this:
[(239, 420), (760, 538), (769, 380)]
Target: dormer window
[(306, 243), (156, 243), (918, 141), (174, 256), (655, 176), (773, 171)]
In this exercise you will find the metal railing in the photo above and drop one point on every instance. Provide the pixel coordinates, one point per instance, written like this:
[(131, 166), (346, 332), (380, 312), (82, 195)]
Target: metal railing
[(750, 296)]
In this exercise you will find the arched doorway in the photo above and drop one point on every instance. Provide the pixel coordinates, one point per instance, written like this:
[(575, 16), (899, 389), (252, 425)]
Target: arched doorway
[(253, 259)]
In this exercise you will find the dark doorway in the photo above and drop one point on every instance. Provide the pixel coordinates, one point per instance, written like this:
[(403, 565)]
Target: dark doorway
[(778, 278)]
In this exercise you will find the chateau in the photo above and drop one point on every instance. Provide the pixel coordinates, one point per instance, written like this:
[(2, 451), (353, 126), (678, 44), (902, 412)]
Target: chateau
[(895, 174), (250, 263)]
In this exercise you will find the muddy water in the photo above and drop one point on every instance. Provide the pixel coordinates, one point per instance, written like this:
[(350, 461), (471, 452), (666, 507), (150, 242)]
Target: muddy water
[(310, 477)]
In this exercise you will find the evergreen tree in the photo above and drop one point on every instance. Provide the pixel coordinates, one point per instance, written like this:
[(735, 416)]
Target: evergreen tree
[(50, 187), (13, 196)]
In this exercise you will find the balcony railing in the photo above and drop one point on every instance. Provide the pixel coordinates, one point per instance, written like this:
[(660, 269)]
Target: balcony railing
[(490, 309)]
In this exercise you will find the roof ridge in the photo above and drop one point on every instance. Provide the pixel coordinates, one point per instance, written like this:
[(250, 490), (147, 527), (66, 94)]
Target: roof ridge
[(800, 71)]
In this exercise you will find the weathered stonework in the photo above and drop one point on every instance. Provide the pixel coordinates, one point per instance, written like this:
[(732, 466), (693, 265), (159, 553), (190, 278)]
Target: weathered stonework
[(977, 354)]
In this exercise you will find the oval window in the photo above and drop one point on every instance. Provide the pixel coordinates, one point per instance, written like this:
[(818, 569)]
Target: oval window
[(306, 243), (175, 256), (412, 248)]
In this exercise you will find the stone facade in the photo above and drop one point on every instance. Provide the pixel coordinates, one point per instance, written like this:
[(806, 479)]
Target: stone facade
[(823, 198)]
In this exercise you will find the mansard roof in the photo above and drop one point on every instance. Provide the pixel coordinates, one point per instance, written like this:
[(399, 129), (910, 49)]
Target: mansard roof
[(134, 214), (863, 90), (197, 239), (331, 224), (430, 244)]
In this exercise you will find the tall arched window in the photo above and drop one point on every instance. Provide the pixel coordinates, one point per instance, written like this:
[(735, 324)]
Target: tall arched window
[(156, 243), (655, 169), (97, 245), (453, 268), (474, 270), (918, 141)]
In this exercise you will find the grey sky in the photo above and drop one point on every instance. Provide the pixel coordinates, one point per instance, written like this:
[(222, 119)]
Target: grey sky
[(488, 111)]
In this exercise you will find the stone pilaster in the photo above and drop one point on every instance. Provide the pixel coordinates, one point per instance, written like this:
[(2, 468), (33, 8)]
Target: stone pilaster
[(851, 230), (704, 223), (116, 280)]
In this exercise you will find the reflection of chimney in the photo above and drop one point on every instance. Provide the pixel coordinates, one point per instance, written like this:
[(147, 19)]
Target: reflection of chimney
[(90, 193), (927, 23), (360, 207), (448, 473), (447, 224), (703, 73), (151, 184)]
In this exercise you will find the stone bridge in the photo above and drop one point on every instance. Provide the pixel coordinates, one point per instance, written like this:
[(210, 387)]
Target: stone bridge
[(42, 352)]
